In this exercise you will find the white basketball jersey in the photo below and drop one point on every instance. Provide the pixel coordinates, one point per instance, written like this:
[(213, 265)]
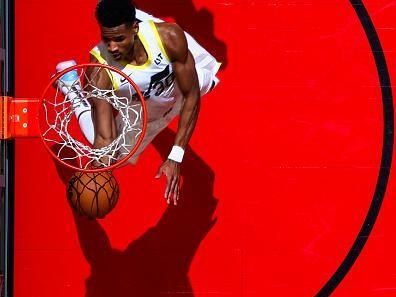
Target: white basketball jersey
[(155, 79)]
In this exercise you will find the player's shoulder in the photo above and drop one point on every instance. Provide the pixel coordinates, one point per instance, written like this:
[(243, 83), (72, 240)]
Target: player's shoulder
[(173, 38), (92, 58), (170, 30)]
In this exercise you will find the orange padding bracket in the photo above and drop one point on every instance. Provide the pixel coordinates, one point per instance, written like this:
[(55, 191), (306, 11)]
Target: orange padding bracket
[(18, 117)]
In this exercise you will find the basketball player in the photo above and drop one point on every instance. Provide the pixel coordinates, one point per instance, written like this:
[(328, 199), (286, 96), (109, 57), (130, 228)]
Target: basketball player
[(171, 69)]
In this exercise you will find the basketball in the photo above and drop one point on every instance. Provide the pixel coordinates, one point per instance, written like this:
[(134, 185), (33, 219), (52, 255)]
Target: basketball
[(93, 194)]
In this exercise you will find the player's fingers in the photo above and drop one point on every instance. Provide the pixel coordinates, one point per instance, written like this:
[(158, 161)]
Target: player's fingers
[(178, 189), (172, 188), (176, 194), (159, 173), (168, 188), (174, 191)]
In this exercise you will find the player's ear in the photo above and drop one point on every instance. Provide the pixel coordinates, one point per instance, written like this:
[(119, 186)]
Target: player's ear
[(135, 27)]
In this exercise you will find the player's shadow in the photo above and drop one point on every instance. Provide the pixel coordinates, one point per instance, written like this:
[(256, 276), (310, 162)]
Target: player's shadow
[(198, 22), (157, 263)]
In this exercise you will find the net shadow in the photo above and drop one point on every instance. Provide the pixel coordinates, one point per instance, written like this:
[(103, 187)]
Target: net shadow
[(158, 262)]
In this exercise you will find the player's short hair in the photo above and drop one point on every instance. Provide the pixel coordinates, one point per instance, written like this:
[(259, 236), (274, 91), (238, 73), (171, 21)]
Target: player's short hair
[(113, 13)]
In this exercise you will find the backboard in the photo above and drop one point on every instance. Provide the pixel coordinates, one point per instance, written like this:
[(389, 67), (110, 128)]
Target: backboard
[(6, 150)]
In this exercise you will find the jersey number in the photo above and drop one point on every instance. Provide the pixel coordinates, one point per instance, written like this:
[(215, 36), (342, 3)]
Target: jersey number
[(159, 82)]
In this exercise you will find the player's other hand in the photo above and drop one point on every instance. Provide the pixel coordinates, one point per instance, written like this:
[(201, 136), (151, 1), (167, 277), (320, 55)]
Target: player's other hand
[(171, 170)]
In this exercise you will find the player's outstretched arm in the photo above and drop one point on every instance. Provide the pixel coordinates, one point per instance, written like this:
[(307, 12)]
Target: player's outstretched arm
[(175, 44), (102, 111)]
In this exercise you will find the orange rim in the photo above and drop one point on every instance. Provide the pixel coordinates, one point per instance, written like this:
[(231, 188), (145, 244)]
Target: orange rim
[(141, 99)]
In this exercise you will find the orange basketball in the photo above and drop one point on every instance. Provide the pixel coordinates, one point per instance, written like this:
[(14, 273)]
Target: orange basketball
[(93, 194)]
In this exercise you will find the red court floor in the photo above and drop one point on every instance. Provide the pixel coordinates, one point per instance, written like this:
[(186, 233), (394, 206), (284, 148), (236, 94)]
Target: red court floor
[(279, 177)]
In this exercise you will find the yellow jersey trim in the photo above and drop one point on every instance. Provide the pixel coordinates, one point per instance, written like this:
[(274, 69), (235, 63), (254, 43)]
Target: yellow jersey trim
[(149, 55), (158, 38), (217, 68), (101, 60), (98, 56)]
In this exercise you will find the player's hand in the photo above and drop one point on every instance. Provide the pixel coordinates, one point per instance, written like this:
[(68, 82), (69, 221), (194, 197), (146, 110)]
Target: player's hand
[(171, 170), (102, 162)]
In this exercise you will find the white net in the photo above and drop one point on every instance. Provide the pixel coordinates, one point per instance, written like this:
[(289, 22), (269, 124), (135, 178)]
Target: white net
[(71, 100)]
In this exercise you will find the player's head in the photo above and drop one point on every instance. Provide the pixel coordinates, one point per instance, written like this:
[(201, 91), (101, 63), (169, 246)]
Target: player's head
[(117, 21)]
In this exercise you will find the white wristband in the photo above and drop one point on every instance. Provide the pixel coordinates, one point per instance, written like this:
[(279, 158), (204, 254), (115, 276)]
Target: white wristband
[(176, 154)]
